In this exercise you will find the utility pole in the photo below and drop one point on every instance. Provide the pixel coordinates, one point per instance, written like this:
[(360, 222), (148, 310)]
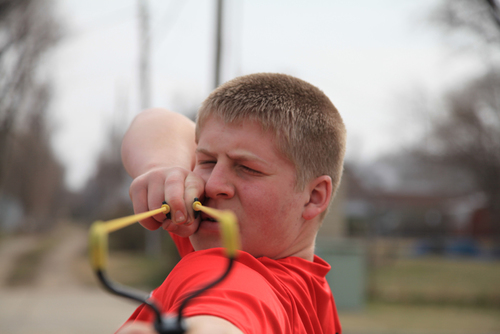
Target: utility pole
[(218, 41), (153, 238), (144, 81)]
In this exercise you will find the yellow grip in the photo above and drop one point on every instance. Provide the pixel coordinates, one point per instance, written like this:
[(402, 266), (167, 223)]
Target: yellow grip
[(98, 245), (98, 235)]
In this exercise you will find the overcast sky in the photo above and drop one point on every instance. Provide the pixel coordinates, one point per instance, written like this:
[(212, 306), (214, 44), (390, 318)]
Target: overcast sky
[(368, 56)]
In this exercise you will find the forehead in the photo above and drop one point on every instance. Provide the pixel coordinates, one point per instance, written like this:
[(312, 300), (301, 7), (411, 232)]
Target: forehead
[(240, 128), (232, 119), (247, 134)]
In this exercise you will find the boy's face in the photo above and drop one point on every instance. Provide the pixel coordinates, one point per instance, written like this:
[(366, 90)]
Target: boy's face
[(245, 173)]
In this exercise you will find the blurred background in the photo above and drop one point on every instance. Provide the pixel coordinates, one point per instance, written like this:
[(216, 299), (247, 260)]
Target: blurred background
[(413, 235)]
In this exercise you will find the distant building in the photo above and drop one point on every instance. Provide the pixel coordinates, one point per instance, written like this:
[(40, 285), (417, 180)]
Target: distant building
[(414, 214)]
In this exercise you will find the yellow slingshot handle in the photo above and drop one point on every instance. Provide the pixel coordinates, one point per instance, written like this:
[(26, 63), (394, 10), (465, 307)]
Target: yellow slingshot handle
[(99, 230)]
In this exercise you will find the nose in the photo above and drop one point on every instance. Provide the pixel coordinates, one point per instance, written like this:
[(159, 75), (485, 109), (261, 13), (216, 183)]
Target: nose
[(218, 184)]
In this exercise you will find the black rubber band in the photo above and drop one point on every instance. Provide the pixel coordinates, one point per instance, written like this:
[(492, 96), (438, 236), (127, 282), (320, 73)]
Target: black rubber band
[(196, 213), (169, 216)]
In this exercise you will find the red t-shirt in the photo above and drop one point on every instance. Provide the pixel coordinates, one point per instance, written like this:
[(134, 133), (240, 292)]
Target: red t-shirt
[(260, 295)]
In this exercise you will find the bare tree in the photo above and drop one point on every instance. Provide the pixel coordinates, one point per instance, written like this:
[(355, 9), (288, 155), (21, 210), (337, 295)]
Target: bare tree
[(467, 136), (106, 192), (33, 175), (27, 31), (469, 25), (29, 171), (105, 195)]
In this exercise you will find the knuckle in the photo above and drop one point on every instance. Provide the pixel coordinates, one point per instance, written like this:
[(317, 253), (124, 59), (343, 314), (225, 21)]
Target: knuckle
[(136, 185), (173, 180), (193, 184), (156, 176), (176, 202)]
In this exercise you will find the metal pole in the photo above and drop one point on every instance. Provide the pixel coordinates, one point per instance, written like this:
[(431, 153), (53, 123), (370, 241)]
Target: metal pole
[(144, 81), (218, 41), (153, 238)]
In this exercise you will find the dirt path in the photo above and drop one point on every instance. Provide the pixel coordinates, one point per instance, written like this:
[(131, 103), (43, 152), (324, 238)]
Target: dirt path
[(10, 250), (57, 302), (57, 266)]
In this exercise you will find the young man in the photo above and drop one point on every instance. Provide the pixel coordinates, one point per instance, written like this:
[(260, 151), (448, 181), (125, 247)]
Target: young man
[(270, 148)]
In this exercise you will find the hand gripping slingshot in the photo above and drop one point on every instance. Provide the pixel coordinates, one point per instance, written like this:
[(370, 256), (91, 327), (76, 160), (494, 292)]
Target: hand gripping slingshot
[(98, 252)]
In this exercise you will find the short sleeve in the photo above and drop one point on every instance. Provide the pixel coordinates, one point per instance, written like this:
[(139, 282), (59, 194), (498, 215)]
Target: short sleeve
[(245, 298)]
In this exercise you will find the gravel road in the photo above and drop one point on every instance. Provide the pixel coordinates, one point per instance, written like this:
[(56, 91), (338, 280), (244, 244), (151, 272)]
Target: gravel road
[(56, 302)]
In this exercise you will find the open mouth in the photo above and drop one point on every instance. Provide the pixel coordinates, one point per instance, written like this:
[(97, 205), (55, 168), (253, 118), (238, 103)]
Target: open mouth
[(208, 223), (205, 217)]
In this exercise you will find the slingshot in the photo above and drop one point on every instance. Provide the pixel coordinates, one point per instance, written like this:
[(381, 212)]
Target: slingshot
[(98, 252)]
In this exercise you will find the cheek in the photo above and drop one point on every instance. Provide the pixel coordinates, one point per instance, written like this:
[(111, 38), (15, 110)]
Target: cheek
[(264, 205), (251, 201), (288, 210)]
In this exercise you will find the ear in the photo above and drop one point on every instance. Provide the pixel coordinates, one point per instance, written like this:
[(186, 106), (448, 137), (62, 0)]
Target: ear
[(320, 192)]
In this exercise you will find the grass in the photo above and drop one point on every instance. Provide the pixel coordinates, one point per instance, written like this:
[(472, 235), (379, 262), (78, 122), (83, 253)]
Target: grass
[(138, 270), (27, 265), (380, 318), (437, 280), (130, 269)]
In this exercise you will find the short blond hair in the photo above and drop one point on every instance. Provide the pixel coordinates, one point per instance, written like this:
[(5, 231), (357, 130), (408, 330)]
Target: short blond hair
[(309, 130)]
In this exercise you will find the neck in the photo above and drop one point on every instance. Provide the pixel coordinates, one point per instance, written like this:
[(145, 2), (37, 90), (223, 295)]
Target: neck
[(303, 249), (306, 254)]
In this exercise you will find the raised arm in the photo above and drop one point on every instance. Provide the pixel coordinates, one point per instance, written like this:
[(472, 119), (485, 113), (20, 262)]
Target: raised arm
[(158, 138), (158, 153)]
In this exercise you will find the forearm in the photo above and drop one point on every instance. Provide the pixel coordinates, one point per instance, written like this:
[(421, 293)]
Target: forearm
[(205, 324), (196, 325), (158, 138)]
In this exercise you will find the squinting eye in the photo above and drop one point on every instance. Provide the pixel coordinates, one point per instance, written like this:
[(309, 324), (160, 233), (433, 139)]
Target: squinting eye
[(206, 162), (250, 170)]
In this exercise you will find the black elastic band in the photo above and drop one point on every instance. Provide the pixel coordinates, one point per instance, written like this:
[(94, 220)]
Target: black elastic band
[(169, 216), (196, 213)]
